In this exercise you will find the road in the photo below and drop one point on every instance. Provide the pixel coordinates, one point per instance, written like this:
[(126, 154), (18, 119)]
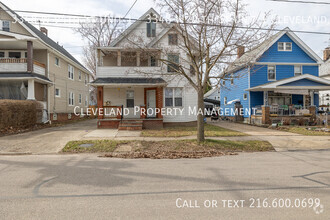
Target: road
[(90, 187)]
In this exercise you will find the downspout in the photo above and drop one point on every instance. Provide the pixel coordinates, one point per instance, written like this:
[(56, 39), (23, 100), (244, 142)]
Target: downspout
[(48, 88), (249, 86)]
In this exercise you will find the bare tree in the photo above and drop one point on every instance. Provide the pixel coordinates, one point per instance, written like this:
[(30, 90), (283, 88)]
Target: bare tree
[(210, 31)]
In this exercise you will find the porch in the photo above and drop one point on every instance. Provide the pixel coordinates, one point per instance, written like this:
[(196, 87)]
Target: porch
[(129, 103)]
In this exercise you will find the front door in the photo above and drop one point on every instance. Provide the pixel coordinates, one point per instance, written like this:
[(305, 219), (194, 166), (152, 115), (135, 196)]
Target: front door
[(151, 103)]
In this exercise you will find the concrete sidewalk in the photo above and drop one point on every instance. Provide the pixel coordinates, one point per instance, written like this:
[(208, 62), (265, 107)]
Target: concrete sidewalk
[(281, 140)]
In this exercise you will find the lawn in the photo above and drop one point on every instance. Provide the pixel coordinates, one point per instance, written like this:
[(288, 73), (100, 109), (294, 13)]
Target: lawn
[(167, 149), (304, 131), (210, 131)]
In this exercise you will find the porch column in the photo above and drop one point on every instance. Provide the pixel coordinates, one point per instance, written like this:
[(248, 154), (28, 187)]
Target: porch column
[(31, 95), (30, 56), (265, 98), (138, 58), (100, 101), (118, 58), (311, 93), (265, 115), (159, 100)]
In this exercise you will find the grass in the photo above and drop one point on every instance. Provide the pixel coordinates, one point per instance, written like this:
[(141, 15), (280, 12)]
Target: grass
[(210, 131), (304, 131), (177, 146)]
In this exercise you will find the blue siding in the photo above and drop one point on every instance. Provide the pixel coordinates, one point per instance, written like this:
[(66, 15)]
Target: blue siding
[(236, 91), (312, 70), (304, 82), (257, 98), (258, 75), (297, 55), (316, 100)]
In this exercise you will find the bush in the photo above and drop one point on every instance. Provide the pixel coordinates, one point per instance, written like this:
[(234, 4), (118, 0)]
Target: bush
[(18, 114)]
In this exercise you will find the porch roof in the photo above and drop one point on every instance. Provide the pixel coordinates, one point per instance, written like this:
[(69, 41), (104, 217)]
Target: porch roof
[(24, 76), (296, 83), (129, 81)]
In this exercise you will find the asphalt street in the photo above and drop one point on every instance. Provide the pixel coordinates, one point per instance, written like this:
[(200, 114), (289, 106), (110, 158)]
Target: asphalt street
[(272, 185)]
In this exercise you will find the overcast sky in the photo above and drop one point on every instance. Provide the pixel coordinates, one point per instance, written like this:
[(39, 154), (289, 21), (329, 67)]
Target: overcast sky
[(297, 16)]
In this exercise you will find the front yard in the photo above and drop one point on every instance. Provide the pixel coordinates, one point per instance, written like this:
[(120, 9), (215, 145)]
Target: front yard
[(166, 149), (210, 131), (311, 131)]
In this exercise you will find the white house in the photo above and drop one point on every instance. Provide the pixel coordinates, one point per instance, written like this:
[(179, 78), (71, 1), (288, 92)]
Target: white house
[(131, 75), (325, 73)]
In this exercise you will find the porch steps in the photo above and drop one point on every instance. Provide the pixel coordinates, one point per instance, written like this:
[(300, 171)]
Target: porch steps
[(131, 125)]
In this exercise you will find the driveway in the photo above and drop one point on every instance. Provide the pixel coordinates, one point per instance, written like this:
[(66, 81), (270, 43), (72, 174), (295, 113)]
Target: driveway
[(281, 140), (49, 140), (88, 187)]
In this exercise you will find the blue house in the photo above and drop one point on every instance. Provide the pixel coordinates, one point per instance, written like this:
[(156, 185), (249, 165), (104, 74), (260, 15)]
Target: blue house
[(282, 73)]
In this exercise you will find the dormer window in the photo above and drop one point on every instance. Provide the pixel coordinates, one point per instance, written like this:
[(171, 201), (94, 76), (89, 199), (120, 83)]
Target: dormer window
[(151, 29), (173, 39), (284, 46), (6, 26)]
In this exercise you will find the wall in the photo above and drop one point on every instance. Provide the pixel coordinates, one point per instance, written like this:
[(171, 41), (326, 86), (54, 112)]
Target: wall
[(14, 27)]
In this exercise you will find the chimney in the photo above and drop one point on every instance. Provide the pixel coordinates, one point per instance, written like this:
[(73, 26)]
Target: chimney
[(326, 54), (44, 31), (240, 51)]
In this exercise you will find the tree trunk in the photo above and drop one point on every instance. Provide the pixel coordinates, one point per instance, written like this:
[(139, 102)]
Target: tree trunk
[(200, 117)]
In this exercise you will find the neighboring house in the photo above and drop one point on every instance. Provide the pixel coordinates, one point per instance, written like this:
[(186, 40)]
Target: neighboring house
[(325, 73), (34, 67), (280, 78), (212, 98), (130, 74)]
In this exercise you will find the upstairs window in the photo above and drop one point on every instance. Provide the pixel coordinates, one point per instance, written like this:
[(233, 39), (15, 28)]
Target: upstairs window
[(57, 92), (173, 39), (57, 61), (153, 61), (2, 54), (16, 55), (297, 70), (80, 98), (151, 29), (284, 46), (71, 72), (271, 73), (79, 75), (86, 79), (173, 64), (6, 26)]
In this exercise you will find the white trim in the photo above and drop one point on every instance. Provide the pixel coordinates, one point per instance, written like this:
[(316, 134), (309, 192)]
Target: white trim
[(286, 64), (284, 46), (301, 70), (268, 72), (59, 93), (245, 98)]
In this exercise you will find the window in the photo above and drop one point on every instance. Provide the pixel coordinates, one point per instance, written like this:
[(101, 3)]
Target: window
[(71, 72), (86, 79), (231, 81), (153, 61), (86, 101), (16, 55), (2, 54), (71, 99), (79, 75), (130, 99), (173, 66), (245, 96), (173, 39), (57, 61), (297, 70), (271, 73), (80, 98), (6, 26), (225, 100), (151, 29), (284, 46), (57, 92), (173, 97)]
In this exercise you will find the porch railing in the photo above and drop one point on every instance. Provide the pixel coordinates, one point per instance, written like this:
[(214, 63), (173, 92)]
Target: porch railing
[(20, 64), (112, 112), (288, 110)]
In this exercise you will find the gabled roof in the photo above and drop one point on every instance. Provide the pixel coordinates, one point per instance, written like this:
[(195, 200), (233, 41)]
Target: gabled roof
[(133, 26), (253, 55), (211, 92), (287, 83), (38, 34)]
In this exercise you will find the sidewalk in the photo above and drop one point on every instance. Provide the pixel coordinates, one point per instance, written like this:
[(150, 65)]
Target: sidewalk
[(281, 140)]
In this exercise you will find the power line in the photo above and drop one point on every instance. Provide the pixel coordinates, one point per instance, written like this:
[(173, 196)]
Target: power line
[(304, 2), (130, 9)]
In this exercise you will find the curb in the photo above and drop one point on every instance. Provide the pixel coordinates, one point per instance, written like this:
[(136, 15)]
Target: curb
[(15, 153)]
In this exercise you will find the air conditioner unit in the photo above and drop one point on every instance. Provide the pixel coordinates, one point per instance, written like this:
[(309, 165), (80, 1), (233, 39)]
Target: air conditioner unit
[(54, 117), (69, 116)]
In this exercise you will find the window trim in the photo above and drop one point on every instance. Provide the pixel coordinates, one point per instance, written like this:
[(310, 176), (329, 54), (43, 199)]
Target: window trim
[(284, 46), (2, 21), (69, 65), (71, 98), (268, 72), (59, 62), (86, 101), (173, 97), (169, 64), (170, 42), (225, 100), (151, 34), (294, 70), (133, 91), (80, 99), (79, 75), (59, 93), (245, 94), (86, 79)]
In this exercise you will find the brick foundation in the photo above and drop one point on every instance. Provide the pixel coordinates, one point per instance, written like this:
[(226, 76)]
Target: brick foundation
[(153, 124), (180, 124), (110, 124)]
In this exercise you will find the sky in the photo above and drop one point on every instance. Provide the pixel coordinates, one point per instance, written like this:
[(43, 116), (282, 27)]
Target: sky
[(297, 16)]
